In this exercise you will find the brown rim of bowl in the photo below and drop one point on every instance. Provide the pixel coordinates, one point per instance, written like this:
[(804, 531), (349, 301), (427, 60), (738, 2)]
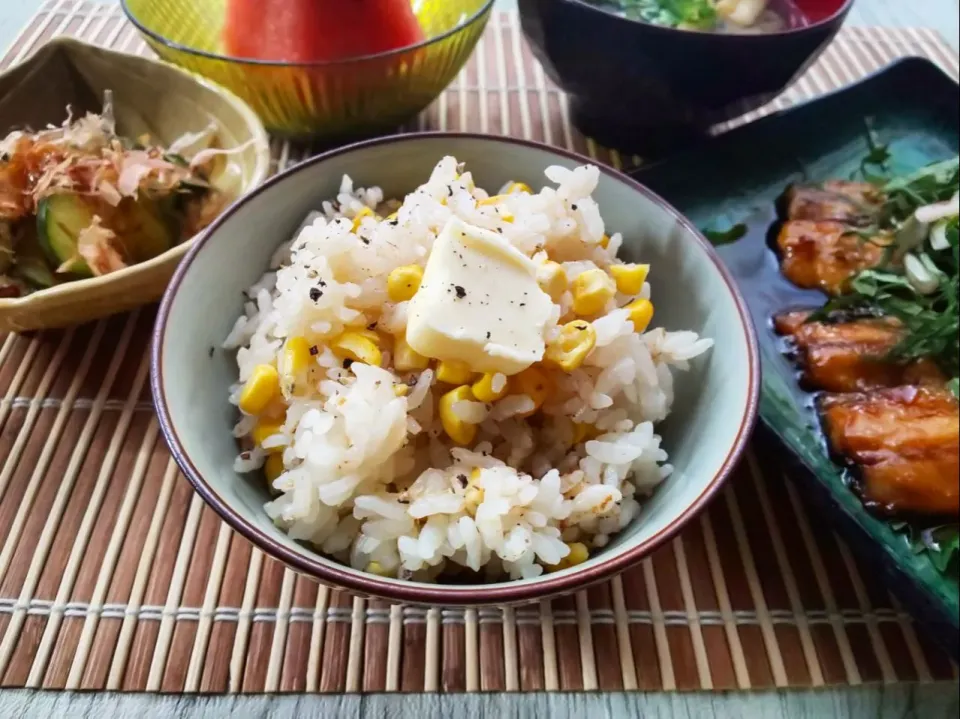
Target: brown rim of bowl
[(156, 37), (742, 37), (397, 590)]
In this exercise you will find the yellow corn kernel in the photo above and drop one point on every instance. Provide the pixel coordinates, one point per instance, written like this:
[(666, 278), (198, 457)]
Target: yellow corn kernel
[(578, 554), (492, 200), (405, 358), (504, 213), (378, 569), (403, 282), (453, 372), (533, 383), (273, 467), (473, 499), (459, 431), (591, 292), (401, 390), (296, 359), (483, 388), (605, 241), (641, 312), (515, 187), (583, 432), (474, 495), (571, 347), (358, 218), (355, 346), (264, 430), (629, 278), (552, 279), (371, 335), (262, 387)]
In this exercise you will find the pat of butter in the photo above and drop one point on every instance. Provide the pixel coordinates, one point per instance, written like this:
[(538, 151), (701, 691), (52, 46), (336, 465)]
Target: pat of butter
[(479, 303)]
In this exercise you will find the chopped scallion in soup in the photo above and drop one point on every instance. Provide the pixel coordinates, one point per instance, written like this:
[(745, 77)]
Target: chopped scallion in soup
[(730, 16)]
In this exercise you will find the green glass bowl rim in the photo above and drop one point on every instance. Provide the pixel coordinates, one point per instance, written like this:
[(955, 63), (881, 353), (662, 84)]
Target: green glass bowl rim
[(481, 13)]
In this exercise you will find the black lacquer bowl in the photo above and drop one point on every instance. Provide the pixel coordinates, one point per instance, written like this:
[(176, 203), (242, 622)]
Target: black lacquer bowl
[(649, 89)]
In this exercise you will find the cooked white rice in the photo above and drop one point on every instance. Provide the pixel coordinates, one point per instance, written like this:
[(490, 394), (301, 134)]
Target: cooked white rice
[(369, 477)]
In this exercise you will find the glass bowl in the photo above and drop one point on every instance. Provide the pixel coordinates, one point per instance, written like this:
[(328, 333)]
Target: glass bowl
[(332, 101)]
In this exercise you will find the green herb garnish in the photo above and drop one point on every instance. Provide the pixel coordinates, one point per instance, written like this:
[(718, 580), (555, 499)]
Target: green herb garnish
[(941, 544), (954, 387), (698, 14), (725, 237), (931, 320), (877, 157)]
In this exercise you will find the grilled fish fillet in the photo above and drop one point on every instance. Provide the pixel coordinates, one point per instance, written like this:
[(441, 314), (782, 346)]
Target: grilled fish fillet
[(824, 254), (850, 202), (906, 441), (851, 356)]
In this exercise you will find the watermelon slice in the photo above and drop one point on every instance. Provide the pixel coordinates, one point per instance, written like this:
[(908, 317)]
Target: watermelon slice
[(318, 30)]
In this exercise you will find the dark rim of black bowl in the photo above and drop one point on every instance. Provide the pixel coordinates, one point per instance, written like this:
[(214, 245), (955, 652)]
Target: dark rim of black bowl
[(328, 571), (742, 37), (156, 37)]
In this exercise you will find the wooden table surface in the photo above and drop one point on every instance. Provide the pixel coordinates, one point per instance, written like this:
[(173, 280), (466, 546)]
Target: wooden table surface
[(929, 702)]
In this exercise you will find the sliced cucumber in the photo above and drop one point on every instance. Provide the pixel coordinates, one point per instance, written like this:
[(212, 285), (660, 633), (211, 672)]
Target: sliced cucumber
[(144, 228), (6, 246), (60, 220), (30, 264)]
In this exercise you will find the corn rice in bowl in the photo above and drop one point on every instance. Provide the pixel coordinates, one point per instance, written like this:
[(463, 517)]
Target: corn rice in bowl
[(401, 447), (367, 393)]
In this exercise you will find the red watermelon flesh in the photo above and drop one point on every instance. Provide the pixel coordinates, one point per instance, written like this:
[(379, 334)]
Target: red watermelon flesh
[(318, 30)]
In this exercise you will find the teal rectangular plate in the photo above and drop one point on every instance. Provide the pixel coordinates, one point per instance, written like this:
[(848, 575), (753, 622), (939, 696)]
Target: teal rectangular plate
[(736, 178)]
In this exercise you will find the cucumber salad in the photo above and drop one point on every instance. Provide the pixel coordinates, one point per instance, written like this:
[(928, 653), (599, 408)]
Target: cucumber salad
[(79, 201)]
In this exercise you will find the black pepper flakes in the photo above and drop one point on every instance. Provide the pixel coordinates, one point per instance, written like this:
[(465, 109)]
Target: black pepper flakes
[(462, 478), (573, 207), (315, 294), (488, 335), (461, 293), (314, 351), (211, 351)]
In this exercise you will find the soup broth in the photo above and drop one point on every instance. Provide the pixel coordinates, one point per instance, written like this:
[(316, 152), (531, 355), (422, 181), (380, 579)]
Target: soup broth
[(723, 16)]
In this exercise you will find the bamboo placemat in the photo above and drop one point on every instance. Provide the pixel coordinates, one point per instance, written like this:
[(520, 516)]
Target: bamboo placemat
[(114, 575)]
